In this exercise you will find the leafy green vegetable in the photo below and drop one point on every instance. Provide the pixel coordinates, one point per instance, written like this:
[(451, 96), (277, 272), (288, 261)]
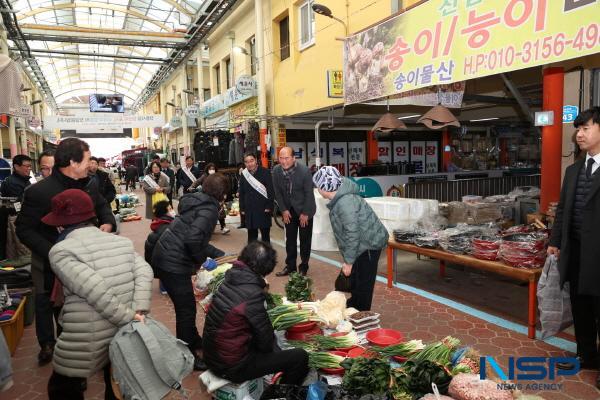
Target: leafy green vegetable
[(214, 284), (366, 375), (336, 342), (298, 288), (416, 377), (273, 300), (405, 349)]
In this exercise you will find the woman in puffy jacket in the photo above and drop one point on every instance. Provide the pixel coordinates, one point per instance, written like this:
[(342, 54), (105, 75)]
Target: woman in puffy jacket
[(239, 341), (106, 285), (155, 182), (182, 248)]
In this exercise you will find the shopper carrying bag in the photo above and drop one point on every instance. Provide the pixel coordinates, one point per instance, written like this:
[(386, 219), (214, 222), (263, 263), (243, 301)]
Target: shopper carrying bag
[(554, 302)]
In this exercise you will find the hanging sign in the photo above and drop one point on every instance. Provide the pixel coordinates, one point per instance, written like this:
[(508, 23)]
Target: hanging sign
[(212, 105), (176, 122), (246, 85), (338, 156), (102, 121), (356, 157), (442, 41), (192, 111), (450, 96)]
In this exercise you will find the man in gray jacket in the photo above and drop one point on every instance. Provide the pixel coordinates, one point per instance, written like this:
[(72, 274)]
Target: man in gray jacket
[(292, 183)]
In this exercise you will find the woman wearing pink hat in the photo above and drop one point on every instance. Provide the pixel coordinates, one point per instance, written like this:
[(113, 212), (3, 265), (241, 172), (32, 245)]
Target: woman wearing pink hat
[(106, 285)]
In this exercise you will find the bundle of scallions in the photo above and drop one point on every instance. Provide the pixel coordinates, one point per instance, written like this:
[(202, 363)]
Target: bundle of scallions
[(336, 342), (323, 359), (287, 315), (439, 352), (405, 349)]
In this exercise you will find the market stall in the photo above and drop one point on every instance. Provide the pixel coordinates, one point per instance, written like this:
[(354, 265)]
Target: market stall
[(351, 355)]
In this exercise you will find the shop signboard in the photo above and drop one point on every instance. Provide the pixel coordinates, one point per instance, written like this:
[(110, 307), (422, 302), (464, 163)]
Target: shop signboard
[(356, 157), (401, 152), (299, 151), (281, 138), (246, 85), (431, 157), (450, 96), (312, 154), (233, 95), (417, 156), (243, 111), (338, 156), (176, 122), (212, 105), (335, 83), (569, 114), (465, 40), (192, 111), (385, 152)]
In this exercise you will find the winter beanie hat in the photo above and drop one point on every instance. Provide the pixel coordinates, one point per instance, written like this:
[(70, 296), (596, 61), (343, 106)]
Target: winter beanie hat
[(327, 178)]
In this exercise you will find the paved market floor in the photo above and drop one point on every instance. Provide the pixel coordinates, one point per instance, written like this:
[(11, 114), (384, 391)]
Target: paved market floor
[(427, 318)]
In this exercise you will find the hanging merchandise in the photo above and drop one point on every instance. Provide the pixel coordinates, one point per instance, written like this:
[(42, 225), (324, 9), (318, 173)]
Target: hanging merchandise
[(212, 147), (236, 149), (10, 80), (252, 141)]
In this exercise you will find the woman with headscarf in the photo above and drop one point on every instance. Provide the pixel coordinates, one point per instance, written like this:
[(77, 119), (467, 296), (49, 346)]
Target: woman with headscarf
[(359, 233), (155, 182)]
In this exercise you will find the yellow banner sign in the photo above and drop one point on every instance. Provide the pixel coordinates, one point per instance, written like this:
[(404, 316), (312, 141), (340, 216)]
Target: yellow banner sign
[(445, 41), (335, 83)]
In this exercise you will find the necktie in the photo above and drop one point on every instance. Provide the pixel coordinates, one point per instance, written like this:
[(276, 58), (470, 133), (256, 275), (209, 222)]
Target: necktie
[(588, 170)]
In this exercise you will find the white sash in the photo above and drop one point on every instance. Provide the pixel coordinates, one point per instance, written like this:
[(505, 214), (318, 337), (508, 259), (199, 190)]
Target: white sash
[(151, 182), (189, 174), (259, 187)]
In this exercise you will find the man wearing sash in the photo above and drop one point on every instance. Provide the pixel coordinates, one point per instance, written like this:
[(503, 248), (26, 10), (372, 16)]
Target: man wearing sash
[(187, 174), (256, 199)]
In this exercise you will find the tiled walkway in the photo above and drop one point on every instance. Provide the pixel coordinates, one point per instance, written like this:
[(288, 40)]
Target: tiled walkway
[(416, 317)]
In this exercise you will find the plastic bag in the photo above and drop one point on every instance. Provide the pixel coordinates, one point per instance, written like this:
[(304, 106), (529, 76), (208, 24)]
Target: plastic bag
[(317, 391), (342, 283), (554, 302), (159, 196)]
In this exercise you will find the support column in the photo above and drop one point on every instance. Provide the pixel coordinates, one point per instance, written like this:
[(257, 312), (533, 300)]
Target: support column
[(446, 155), (184, 104), (372, 148), (552, 137), (260, 75), (12, 136), (24, 147), (201, 84)]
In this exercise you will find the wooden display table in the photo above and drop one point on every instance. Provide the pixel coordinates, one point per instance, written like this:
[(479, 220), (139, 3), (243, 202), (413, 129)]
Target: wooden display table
[(520, 274)]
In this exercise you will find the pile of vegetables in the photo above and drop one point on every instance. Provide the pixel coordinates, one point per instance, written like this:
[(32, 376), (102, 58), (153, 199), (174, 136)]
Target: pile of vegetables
[(273, 300), (287, 315), (336, 342), (323, 359), (366, 375), (298, 288)]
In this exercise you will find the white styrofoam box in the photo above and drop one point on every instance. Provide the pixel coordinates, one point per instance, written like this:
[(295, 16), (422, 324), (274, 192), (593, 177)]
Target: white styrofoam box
[(324, 241), (252, 389)]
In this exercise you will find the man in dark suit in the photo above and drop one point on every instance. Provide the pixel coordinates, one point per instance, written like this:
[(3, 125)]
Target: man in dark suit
[(575, 239), (165, 167), (102, 179), (292, 183), (187, 175)]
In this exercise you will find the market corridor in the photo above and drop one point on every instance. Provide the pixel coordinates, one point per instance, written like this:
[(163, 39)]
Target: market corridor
[(415, 316)]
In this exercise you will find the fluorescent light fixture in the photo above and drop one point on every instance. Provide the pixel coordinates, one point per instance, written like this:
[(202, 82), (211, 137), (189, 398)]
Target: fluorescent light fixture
[(410, 116), (483, 119)]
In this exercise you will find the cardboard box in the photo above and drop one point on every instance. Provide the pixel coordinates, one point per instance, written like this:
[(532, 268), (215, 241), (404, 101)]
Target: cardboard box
[(253, 388)]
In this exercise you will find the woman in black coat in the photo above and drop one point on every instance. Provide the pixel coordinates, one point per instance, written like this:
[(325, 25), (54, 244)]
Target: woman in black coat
[(256, 199), (180, 251)]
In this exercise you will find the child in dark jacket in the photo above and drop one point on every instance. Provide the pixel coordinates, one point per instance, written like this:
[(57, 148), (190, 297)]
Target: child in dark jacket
[(163, 216)]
